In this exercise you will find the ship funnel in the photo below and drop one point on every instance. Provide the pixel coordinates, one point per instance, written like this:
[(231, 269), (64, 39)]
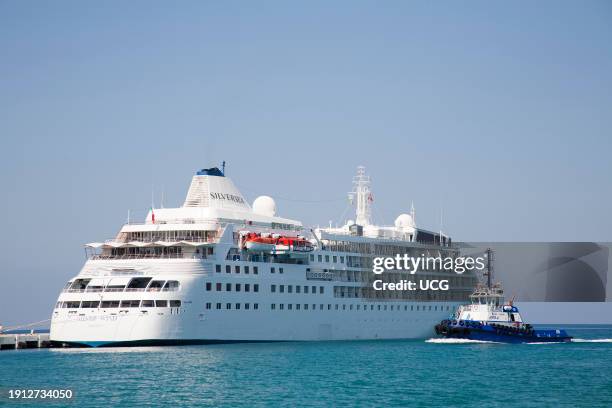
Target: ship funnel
[(210, 188)]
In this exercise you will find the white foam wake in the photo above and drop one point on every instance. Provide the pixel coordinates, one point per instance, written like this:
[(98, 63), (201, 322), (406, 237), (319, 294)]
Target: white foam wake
[(456, 341), (592, 340)]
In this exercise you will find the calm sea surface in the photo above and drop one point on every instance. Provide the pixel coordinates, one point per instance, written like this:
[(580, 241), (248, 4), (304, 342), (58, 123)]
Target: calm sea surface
[(362, 373)]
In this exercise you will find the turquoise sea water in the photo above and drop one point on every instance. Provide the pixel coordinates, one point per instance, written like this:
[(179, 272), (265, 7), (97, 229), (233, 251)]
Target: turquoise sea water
[(361, 373)]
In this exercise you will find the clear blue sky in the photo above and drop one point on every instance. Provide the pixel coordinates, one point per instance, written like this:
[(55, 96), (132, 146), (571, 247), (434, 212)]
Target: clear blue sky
[(499, 112)]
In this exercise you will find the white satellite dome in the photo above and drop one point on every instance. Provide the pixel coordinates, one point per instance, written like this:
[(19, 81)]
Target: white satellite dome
[(264, 205), (404, 221)]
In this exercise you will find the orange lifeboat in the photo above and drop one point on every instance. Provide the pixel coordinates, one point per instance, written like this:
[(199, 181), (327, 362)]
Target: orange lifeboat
[(296, 244), (259, 242), (275, 243)]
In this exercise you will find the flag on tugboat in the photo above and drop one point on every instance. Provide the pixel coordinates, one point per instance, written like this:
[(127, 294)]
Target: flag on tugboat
[(152, 216)]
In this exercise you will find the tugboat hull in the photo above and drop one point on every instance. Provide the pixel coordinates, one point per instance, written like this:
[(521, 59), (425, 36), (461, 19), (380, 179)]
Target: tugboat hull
[(473, 330)]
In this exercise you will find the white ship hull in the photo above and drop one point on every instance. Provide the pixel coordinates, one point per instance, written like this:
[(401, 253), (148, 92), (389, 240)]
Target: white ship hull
[(192, 322)]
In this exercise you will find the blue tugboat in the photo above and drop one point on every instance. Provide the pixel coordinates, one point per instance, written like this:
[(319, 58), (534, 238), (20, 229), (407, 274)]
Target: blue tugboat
[(489, 318)]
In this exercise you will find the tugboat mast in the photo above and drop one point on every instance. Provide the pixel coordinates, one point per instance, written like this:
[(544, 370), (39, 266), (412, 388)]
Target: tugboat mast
[(489, 272)]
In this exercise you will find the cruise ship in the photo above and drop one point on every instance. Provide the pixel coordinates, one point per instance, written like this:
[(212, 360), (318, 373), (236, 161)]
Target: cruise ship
[(218, 269)]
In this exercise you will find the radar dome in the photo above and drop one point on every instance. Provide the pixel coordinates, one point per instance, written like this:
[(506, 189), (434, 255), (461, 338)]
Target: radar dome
[(264, 205), (404, 221)]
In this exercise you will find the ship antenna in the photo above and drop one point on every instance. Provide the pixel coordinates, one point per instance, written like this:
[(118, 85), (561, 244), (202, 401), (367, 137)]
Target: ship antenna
[(489, 273), (223, 167)]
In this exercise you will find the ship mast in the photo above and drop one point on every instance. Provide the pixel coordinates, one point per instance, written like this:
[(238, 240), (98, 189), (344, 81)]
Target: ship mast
[(489, 272), (361, 192)]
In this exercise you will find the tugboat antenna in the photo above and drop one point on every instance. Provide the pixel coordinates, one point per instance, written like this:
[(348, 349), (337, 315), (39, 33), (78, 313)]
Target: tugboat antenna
[(489, 267)]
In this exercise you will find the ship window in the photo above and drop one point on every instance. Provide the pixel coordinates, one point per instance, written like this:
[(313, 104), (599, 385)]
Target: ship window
[(218, 306), (289, 288), (138, 284), (312, 257), (228, 269), (385, 307), (280, 270), (255, 270), (109, 303), (336, 306), (90, 304), (305, 307), (411, 308), (405, 308), (447, 308), (247, 306), (289, 306), (58, 305), (171, 286), (247, 287), (218, 268), (256, 287), (237, 306), (321, 289), (358, 307), (391, 307), (155, 286), (328, 306), (161, 303), (281, 288), (272, 270), (237, 287), (335, 259), (314, 290), (343, 307), (218, 287), (246, 269), (273, 306), (326, 258), (321, 306), (255, 306), (228, 306), (297, 288), (378, 307), (147, 303), (272, 288), (208, 286), (67, 285), (371, 307), (341, 259), (175, 303), (320, 258), (281, 306), (297, 306), (228, 287), (418, 308), (72, 305), (79, 285), (130, 303), (305, 289), (237, 269), (208, 305)]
